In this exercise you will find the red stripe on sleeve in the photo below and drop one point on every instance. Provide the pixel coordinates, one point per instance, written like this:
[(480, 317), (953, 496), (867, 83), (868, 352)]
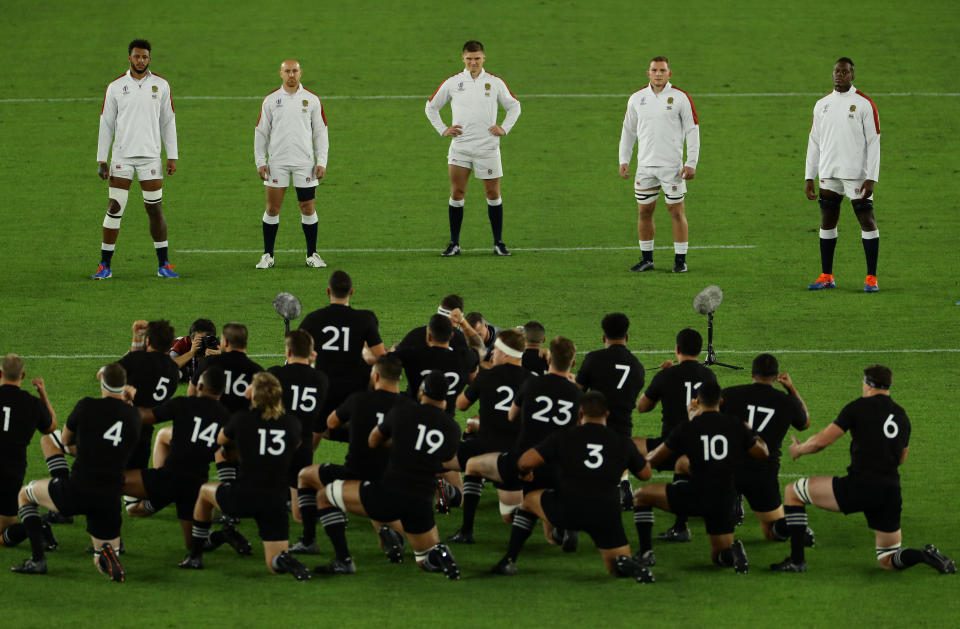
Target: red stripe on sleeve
[(696, 120), (262, 105), (323, 115), (876, 114), (441, 85), (104, 103), (504, 84)]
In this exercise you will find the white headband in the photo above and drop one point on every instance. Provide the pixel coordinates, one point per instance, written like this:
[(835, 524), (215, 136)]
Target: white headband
[(443, 311), (509, 351), (109, 389)]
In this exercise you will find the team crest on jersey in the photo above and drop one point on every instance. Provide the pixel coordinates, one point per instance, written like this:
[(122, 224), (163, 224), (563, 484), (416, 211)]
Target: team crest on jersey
[(486, 86), (670, 100), (153, 171), (304, 102), (489, 171), (674, 189), (853, 107), (154, 89), (308, 179)]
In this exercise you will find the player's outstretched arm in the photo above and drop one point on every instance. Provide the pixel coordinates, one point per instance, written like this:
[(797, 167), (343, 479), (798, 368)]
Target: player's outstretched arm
[(787, 383), (815, 443)]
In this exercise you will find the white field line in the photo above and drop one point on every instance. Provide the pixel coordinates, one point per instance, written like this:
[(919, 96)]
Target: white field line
[(97, 99), (752, 352), (435, 249)]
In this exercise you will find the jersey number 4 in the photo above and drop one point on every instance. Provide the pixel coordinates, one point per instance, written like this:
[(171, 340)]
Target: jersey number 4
[(114, 433)]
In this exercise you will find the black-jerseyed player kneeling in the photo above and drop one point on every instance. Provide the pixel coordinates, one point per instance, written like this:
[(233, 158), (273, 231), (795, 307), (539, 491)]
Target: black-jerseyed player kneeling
[(266, 439), (880, 437), (358, 415), (196, 422), (769, 413), (105, 431), (716, 445), (424, 439), (590, 459), (22, 414)]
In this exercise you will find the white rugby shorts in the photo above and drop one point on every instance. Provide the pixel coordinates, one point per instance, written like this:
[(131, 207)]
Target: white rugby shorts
[(485, 165), (666, 177), (281, 176), (146, 168), (849, 188)]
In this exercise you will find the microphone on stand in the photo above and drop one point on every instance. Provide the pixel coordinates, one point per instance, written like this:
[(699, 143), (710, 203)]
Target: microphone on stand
[(706, 303)]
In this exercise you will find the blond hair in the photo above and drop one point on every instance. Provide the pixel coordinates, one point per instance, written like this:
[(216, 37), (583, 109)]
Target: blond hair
[(268, 395)]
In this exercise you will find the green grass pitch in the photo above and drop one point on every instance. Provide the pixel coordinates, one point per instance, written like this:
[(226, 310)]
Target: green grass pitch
[(754, 70)]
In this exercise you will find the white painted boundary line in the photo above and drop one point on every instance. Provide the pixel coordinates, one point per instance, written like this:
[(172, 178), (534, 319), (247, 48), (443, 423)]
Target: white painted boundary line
[(649, 351), (424, 97), (435, 249)]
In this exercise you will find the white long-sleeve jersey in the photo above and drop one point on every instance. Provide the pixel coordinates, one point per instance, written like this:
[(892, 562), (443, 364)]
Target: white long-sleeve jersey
[(844, 137), (291, 130), (135, 117), (473, 102), (660, 124)]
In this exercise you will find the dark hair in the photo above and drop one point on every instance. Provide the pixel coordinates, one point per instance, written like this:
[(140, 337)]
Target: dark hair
[(663, 59), (114, 376), (300, 343), (160, 334), (562, 351), (512, 338), (440, 328), (434, 385), (709, 394), (473, 318), (452, 302), (340, 284), (138, 43), (615, 326), (765, 366), (236, 335), (880, 375), (214, 380), (593, 404), (845, 60), (533, 332), (389, 367), (203, 325), (473, 46), (689, 342)]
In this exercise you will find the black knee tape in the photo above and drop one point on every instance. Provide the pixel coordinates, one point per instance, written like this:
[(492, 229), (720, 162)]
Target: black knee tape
[(862, 205), (643, 197), (306, 194), (831, 203)]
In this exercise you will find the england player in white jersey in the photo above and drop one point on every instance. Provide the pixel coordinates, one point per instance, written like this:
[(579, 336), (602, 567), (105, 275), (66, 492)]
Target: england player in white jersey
[(290, 143), (474, 95), (844, 152), (137, 115), (660, 118)]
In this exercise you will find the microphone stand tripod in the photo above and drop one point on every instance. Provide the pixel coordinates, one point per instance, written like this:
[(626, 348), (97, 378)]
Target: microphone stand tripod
[(711, 354)]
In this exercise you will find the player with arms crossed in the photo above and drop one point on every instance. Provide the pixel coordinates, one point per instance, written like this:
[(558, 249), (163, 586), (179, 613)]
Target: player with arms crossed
[(660, 118), (137, 115), (292, 130), (844, 152), (105, 431), (474, 95), (880, 436)]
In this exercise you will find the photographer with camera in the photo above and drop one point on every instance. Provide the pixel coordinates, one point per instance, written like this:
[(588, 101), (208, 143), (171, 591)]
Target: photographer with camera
[(188, 350)]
